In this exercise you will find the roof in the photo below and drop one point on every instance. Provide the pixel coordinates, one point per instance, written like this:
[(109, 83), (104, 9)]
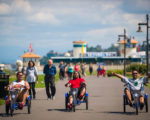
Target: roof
[(79, 42), (125, 41), (30, 55)]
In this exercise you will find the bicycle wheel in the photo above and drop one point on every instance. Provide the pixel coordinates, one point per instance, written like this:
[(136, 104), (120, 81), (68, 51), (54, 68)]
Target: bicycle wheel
[(29, 106), (87, 102)]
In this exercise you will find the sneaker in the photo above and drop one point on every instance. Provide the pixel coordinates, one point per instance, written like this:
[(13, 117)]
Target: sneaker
[(21, 105), (70, 106), (130, 103), (141, 106), (81, 97), (53, 97), (34, 97), (48, 99)]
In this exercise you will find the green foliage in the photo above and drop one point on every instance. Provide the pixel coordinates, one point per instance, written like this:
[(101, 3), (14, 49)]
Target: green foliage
[(115, 71), (9, 72), (44, 60), (41, 83), (93, 73), (139, 67), (2, 101), (148, 85)]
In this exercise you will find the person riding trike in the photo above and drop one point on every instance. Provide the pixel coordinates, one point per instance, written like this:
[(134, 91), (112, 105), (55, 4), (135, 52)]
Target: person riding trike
[(77, 93), (134, 90), (17, 95)]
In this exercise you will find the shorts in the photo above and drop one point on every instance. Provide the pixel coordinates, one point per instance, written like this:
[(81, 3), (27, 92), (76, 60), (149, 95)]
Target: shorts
[(72, 90), (139, 92)]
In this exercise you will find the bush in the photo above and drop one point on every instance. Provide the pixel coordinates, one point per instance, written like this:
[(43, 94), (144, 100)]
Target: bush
[(139, 67), (115, 71)]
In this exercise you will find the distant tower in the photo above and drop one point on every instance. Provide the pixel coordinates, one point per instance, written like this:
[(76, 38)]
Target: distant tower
[(131, 49), (77, 48)]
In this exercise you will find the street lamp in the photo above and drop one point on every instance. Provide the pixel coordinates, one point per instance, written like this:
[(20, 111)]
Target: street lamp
[(147, 41), (124, 36)]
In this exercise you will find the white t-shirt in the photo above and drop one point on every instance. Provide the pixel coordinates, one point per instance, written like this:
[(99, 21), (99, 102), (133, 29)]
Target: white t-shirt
[(16, 84), (137, 84), (31, 74)]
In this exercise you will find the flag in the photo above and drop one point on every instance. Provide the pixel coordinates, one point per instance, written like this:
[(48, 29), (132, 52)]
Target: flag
[(82, 50), (31, 48)]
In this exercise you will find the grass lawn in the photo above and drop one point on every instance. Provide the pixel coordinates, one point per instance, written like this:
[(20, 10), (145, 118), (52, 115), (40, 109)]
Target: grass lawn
[(40, 84), (2, 101), (148, 85)]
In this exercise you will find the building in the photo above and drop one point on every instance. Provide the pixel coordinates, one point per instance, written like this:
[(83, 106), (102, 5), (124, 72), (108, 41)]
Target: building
[(31, 56), (79, 47), (131, 49)]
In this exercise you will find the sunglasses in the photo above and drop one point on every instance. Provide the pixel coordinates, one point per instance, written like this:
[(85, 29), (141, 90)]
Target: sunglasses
[(135, 73)]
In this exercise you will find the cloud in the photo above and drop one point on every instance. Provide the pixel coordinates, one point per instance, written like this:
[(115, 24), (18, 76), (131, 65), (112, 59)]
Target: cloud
[(21, 6), (44, 17), (4, 8)]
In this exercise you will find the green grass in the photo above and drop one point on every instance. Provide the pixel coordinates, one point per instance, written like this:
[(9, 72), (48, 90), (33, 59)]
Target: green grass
[(93, 73), (148, 85), (41, 83), (2, 101)]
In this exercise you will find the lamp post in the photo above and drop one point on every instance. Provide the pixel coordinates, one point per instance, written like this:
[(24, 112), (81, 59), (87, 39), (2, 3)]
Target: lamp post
[(147, 41), (124, 36)]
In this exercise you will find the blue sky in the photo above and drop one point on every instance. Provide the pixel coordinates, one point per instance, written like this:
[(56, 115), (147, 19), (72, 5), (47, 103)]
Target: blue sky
[(55, 24)]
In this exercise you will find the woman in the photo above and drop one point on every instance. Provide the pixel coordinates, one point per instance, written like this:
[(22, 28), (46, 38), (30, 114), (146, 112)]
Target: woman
[(83, 70), (70, 71), (78, 85), (32, 77), (76, 67)]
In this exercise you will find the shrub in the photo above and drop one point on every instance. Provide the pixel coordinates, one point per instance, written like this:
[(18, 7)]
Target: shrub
[(139, 67), (115, 71)]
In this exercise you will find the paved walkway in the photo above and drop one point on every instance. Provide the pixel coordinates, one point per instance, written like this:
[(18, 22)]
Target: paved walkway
[(105, 103)]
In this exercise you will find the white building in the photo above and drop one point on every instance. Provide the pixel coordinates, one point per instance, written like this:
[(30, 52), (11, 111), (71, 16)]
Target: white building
[(78, 48), (131, 49)]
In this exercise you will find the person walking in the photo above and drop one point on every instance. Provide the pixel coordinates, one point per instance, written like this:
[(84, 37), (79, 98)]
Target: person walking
[(32, 77), (90, 69), (50, 72), (83, 70), (70, 71), (76, 67), (62, 67)]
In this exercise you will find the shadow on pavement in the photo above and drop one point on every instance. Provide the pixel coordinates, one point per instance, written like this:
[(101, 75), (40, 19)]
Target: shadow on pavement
[(5, 115), (39, 99), (64, 110), (127, 113), (61, 110)]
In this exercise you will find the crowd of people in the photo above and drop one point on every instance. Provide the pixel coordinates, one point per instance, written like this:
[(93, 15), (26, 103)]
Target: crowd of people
[(76, 81)]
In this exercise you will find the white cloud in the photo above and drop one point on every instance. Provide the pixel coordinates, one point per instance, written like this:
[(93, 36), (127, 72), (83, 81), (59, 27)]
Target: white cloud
[(4, 8), (43, 17), (21, 6)]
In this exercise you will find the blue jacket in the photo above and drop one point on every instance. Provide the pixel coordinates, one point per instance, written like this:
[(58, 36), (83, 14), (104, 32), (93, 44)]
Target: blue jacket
[(49, 71)]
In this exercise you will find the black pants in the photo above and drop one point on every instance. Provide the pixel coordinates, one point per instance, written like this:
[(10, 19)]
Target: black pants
[(50, 83), (61, 75), (90, 70), (70, 75), (32, 86)]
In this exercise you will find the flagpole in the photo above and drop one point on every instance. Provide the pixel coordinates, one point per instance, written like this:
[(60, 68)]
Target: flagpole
[(82, 52)]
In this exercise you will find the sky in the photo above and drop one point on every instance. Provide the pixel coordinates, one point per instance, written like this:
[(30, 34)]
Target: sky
[(55, 24)]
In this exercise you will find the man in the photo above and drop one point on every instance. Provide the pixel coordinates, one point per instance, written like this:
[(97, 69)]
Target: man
[(24, 88), (50, 71), (62, 70), (134, 85)]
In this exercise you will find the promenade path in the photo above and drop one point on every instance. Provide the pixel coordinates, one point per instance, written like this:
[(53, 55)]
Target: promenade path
[(105, 103)]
